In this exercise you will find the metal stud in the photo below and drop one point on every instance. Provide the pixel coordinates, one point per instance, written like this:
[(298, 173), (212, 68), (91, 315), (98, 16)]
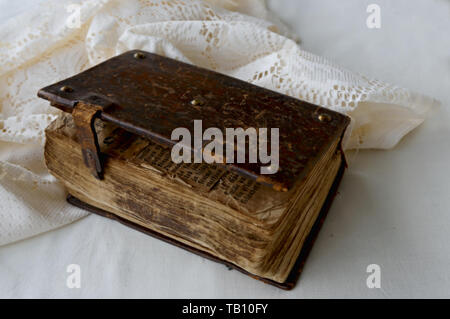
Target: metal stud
[(66, 89), (197, 102), (139, 55), (324, 117)]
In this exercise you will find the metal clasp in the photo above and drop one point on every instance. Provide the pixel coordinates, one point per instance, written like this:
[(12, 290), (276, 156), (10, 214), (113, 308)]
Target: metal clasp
[(84, 116)]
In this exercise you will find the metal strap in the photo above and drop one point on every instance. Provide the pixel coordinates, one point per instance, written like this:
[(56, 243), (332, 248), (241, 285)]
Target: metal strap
[(84, 117)]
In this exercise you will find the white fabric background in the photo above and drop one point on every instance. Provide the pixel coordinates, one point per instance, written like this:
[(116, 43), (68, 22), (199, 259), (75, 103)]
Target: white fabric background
[(392, 208)]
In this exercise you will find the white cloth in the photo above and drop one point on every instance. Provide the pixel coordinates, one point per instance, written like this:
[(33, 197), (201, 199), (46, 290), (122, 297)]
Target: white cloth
[(240, 39)]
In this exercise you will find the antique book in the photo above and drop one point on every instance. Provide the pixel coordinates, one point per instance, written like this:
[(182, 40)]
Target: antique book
[(120, 148)]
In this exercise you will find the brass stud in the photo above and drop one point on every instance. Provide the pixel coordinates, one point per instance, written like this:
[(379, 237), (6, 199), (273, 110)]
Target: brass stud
[(197, 102), (139, 55), (66, 89), (324, 118)]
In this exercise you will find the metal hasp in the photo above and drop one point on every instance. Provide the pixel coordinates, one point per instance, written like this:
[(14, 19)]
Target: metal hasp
[(84, 116), (151, 95)]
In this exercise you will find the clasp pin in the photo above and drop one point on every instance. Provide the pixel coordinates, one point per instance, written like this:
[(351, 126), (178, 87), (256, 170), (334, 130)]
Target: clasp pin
[(66, 89), (324, 118), (197, 102), (139, 55)]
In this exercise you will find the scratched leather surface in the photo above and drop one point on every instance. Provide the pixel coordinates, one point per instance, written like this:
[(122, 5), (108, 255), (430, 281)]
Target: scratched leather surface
[(152, 96)]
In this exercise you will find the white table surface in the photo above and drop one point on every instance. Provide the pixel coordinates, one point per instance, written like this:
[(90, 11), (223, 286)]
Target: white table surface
[(393, 207)]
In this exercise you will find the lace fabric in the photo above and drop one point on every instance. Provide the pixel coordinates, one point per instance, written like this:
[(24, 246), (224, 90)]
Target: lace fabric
[(238, 38)]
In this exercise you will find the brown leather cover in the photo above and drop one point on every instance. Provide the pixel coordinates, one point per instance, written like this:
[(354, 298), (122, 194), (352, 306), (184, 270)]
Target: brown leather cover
[(296, 270), (151, 95)]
